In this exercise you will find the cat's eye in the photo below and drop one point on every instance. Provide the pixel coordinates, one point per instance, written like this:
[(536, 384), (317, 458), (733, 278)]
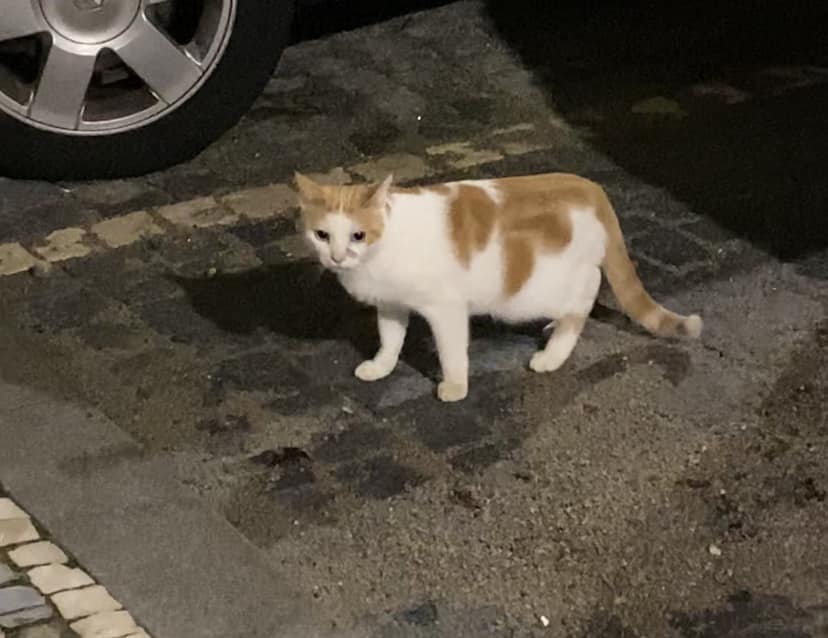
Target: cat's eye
[(358, 236), (321, 235)]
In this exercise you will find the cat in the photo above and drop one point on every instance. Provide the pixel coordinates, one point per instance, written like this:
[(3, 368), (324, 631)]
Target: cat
[(518, 249)]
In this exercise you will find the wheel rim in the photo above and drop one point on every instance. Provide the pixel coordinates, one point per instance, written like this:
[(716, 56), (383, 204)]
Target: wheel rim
[(99, 67)]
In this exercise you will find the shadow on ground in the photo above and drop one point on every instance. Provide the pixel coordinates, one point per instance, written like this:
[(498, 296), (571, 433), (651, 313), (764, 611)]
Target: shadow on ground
[(753, 160), (300, 301)]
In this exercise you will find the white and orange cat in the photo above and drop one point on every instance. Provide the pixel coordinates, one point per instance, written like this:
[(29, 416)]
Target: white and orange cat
[(519, 249)]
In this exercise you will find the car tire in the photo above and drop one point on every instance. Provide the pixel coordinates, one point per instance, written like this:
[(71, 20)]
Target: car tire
[(259, 34)]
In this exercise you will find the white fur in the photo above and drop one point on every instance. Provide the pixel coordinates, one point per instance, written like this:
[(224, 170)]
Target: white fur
[(559, 346), (340, 251), (414, 268)]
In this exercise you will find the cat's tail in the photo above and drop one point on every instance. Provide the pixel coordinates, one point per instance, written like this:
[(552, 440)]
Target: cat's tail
[(627, 286)]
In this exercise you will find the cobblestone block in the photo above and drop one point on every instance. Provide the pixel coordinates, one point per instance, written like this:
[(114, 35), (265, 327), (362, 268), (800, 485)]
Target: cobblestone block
[(336, 175), (41, 631), (6, 574), (64, 244), (40, 553), (14, 259), (405, 168), (475, 158), (262, 203), (15, 531), (125, 230), (198, 213), (26, 616), (15, 598), (79, 603), (53, 578), (9, 510), (112, 624)]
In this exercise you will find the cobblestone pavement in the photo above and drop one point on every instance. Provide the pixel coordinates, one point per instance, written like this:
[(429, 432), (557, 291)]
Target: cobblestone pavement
[(649, 488), (44, 593)]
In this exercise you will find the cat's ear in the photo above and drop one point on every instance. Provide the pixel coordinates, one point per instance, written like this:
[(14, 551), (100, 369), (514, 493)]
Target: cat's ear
[(309, 190), (377, 195)]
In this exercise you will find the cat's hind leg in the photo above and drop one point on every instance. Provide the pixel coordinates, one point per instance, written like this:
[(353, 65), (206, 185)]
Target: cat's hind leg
[(569, 327), (393, 324), (560, 345)]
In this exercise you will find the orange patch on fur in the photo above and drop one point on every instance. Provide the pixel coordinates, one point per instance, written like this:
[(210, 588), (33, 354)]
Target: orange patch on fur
[(520, 262), (532, 217), (472, 217)]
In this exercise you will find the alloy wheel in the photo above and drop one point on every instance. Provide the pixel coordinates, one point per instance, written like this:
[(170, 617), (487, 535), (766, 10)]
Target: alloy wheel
[(100, 67)]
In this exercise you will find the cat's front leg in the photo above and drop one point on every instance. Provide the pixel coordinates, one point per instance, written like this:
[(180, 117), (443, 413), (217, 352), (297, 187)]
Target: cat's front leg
[(450, 326), (392, 322)]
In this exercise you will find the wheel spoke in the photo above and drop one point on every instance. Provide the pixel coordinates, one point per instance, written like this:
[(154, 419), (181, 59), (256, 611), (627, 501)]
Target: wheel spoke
[(61, 90), (163, 65), (18, 19)]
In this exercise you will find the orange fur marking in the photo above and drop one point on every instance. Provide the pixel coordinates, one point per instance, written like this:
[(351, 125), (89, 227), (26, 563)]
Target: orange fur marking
[(472, 217), (532, 218)]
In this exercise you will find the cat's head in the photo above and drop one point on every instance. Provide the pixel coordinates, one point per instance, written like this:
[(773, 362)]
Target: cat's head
[(342, 223)]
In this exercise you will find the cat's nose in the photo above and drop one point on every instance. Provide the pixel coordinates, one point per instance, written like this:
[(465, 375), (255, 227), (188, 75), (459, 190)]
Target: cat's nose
[(337, 259)]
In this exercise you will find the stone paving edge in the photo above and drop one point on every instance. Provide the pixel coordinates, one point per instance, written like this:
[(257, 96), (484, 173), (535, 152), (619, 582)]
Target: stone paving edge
[(31, 596), (247, 205)]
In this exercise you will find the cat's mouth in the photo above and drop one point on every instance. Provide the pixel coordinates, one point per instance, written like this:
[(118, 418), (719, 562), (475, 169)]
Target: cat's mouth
[(342, 267)]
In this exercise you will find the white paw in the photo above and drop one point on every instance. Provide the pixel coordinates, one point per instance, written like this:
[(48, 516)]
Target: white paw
[(450, 392), (546, 362), (372, 371)]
